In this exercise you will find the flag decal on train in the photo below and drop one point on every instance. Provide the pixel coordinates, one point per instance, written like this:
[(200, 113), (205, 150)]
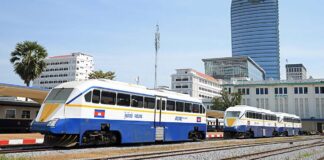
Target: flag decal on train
[(198, 119), (99, 113)]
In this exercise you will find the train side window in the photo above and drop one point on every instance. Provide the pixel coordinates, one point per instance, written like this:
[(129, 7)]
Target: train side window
[(96, 96), (123, 99), (170, 105), (149, 103), (188, 107), (137, 101), (87, 96), (195, 108), (163, 105), (25, 114), (10, 113), (201, 109), (108, 97), (179, 106)]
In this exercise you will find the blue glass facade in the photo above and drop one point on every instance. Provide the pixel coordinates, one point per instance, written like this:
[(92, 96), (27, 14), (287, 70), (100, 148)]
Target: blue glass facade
[(255, 33)]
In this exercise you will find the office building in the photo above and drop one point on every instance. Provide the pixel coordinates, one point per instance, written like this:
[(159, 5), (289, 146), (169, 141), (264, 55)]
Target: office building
[(65, 68), (196, 84), (304, 98), (233, 68), (296, 71), (255, 33)]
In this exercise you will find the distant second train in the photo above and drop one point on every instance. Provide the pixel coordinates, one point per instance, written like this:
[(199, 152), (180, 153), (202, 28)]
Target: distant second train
[(248, 122)]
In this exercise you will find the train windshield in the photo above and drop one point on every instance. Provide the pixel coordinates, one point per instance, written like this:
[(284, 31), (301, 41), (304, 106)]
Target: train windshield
[(232, 113), (58, 95)]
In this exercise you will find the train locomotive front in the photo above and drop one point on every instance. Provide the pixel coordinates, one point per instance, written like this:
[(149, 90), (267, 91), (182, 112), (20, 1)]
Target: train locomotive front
[(107, 112), (52, 120)]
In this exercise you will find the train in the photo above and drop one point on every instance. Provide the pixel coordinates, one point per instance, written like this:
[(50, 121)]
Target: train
[(16, 116), (215, 124), (106, 112), (243, 121)]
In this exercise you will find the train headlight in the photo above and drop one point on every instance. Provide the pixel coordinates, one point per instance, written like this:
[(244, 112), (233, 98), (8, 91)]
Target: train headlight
[(52, 123)]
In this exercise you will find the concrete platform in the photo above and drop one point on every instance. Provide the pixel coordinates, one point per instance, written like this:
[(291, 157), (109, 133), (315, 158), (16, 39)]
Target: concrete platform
[(21, 139), (35, 138)]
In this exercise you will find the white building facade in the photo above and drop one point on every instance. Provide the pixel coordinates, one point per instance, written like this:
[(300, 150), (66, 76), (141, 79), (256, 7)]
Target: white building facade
[(304, 98), (196, 84), (295, 71), (65, 68)]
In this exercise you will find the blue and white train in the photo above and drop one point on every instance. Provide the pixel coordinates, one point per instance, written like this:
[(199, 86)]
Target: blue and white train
[(109, 112), (246, 122)]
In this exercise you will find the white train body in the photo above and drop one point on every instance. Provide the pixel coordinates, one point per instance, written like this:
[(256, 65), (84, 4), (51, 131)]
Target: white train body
[(131, 111), (247, 121)]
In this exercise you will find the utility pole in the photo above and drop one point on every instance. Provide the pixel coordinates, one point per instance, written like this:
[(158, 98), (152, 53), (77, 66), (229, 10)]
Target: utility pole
[(157, 47)]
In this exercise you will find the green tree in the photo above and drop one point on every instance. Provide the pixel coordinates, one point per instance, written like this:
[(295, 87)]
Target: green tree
[(100, 74), (226, 100), (28, 60)]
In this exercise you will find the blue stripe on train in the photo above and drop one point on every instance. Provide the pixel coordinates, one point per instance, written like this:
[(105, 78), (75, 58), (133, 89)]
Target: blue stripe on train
[(258, 130), (131, 131)]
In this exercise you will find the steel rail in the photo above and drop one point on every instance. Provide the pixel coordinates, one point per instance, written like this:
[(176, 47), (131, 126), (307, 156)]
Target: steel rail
[(163, 154)]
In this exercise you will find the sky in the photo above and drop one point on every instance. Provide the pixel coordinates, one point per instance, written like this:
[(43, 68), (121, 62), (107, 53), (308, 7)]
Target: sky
[(119, 34)]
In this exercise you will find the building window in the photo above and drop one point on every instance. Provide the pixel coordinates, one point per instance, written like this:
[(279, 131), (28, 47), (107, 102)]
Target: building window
[(257, 91), (305, 90), (266, 91), (296, 90), (25, 114), (316, 90), (261, 91), (300, 90), (322, 90), (10, 113), (280, 91), (285, 91), (248, 91), (276, 90)]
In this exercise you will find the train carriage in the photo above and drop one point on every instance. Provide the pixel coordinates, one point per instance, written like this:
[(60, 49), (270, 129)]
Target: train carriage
[(289, 124), (245, 121), (106, 112)]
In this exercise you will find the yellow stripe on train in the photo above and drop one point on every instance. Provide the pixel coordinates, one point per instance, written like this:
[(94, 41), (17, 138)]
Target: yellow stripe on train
[(131, 109)]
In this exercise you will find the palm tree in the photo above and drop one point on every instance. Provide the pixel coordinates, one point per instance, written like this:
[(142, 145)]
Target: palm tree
[(28, 60), (100, 74)]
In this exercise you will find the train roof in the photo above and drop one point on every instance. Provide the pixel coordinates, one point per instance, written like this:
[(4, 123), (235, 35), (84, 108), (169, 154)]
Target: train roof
[(125, 87), (243, 108), (287, 115)]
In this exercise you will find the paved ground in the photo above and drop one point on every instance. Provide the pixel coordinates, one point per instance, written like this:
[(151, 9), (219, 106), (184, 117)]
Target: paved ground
[(20, 136)]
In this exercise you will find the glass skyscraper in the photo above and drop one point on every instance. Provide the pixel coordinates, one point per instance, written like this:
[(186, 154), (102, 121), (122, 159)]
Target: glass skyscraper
[(255, 33)]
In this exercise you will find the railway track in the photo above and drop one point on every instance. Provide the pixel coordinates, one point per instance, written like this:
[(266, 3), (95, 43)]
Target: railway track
[(20, 149), (270, 153), (37, 148), (164, 154)]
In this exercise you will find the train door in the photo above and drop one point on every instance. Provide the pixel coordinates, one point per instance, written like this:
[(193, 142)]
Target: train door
[(263, 125), (158, 125)]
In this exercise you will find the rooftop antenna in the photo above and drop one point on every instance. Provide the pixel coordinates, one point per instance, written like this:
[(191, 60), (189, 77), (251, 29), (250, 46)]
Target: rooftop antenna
[(137, 79), (157, 47)]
